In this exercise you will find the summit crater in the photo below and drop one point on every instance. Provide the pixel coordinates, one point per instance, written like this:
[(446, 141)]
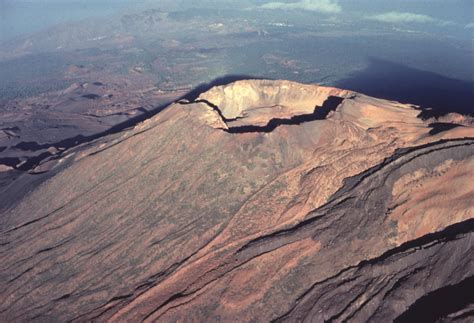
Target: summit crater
[(257, 102)]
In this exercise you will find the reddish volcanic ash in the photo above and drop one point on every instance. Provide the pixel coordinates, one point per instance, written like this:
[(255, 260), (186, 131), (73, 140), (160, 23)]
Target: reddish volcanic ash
[(262, 200)]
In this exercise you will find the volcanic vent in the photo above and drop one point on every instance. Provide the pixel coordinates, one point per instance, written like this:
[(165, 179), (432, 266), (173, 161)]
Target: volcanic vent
[(262, 105)]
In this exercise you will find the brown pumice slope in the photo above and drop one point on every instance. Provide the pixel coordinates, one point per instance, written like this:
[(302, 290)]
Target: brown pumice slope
[(360, 215)]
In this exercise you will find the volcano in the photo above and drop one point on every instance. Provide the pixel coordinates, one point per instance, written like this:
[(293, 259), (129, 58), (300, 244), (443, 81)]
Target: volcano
[(258, 201)]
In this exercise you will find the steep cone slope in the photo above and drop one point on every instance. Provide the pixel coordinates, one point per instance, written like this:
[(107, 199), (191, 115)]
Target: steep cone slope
[(355, 213)]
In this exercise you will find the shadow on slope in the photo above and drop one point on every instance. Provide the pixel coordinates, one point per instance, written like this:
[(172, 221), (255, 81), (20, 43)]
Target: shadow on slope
[(437, 95), (440, 303)]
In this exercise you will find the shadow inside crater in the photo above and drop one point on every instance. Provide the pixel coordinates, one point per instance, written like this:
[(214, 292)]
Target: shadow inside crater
[(436, 94), (319, 113)]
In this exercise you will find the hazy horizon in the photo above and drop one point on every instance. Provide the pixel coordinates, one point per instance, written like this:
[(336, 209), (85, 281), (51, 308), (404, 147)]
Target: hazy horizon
[(23, 17)]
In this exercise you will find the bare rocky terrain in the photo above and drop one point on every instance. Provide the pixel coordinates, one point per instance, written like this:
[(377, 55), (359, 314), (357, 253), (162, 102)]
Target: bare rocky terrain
[(256, 201), (78, 81)]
